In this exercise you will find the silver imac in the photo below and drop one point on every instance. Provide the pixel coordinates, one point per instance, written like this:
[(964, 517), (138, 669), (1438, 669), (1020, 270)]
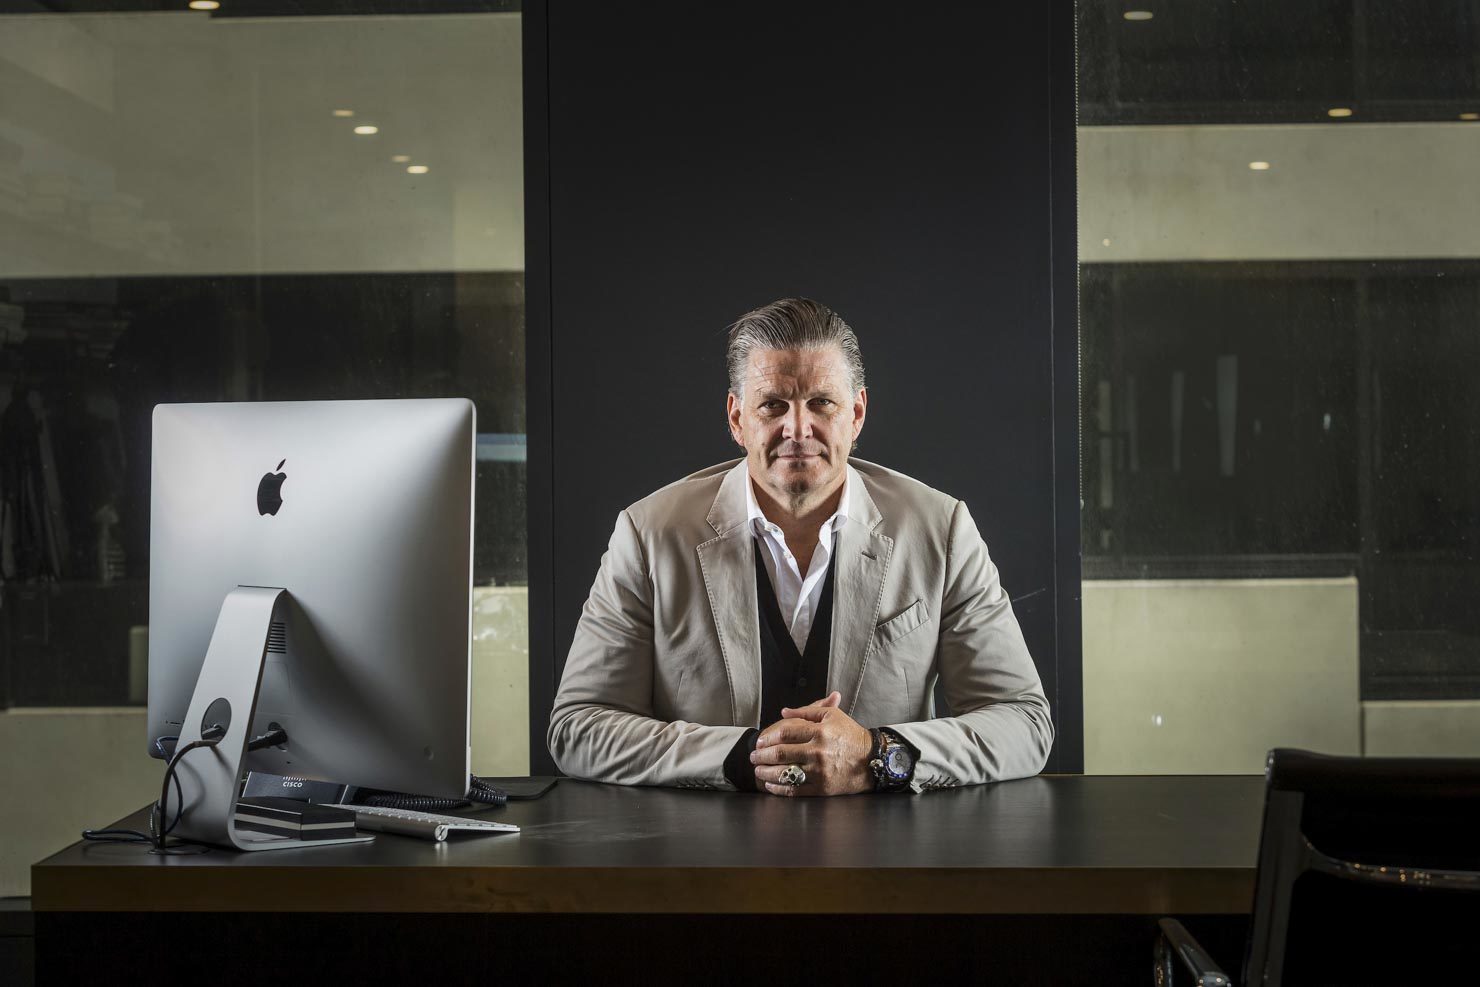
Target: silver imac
[(311, 567)]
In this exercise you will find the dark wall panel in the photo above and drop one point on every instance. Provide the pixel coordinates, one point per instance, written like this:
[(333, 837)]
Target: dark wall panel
[(898, 166)]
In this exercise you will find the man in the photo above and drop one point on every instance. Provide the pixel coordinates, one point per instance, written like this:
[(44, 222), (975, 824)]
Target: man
[(729, 600)]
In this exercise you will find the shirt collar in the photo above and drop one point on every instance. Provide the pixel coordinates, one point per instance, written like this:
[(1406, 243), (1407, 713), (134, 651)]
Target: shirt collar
[(757, 517)]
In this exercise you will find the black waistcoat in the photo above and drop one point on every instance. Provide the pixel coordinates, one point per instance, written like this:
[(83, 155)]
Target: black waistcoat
[(790, 677)]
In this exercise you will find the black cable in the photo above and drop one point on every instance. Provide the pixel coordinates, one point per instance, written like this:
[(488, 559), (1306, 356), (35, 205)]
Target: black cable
[(133, 835), (156, 838), (479, 792), (271, 738), (164, 747), (164, 791)]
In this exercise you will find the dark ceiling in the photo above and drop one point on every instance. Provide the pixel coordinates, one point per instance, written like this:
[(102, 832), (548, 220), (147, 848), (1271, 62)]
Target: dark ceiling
[(1194, 61), (265, 8), (1277, 61)]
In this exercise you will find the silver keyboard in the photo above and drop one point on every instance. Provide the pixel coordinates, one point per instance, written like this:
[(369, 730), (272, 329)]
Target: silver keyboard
[(426, 825)]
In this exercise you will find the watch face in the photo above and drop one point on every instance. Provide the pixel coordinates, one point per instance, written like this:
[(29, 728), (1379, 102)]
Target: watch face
[(897, 762)]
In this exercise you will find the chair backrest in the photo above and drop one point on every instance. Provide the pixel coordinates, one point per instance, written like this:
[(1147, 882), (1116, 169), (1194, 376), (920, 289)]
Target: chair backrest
[(1369, 870)]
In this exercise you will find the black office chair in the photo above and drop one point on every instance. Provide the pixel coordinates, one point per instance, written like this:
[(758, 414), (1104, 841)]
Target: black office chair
[(1368, 873)]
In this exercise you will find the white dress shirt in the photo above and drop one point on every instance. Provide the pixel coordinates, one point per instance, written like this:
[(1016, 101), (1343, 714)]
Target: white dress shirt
[(797, 595)]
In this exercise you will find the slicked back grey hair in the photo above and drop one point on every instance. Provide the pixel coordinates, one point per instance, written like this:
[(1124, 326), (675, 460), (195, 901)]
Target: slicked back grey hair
[(791, 324)]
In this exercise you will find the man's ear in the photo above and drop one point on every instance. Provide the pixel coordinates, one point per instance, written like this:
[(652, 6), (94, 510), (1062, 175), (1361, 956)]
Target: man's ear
[(732, 414), (860, 412)]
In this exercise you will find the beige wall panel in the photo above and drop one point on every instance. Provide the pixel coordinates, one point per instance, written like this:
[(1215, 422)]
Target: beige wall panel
[(1204, 676), (500, 714), (1332, 192), (66, 770), (1448, 728)]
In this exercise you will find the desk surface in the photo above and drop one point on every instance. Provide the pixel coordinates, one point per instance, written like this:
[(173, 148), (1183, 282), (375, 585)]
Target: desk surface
[(1065, 844)]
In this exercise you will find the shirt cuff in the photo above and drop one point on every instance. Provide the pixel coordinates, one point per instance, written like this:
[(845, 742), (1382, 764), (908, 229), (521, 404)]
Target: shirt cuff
[(738, 769)]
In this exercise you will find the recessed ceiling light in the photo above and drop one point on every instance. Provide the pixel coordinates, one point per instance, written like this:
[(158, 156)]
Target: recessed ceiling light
[(1138, 15), (417, 169), (400, 158), (1469, 116), (204, 5), (1339, 111), (365, 130), (1258, 165), (344, 113), (1105, 242)]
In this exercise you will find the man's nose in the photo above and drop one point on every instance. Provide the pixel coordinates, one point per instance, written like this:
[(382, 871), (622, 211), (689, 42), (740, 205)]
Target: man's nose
[(798, 422)]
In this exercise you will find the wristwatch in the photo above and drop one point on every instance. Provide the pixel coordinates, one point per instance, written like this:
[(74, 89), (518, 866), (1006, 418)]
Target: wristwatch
[(891, 761)]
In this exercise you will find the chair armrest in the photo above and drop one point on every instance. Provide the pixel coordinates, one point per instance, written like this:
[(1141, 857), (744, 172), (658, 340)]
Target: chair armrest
[(1177, 941)]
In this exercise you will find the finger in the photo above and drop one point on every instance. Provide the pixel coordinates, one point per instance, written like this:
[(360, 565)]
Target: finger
[(799, 754), (814, 713), (786, 732), (769, 774), (833, 699), (771, 727), (788, 791)]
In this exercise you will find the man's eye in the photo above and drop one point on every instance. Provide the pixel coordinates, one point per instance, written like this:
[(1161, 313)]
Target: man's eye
[(770, 405), (823, 402)]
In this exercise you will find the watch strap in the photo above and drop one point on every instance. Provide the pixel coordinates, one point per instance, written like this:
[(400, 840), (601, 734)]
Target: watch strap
[(888, 742)]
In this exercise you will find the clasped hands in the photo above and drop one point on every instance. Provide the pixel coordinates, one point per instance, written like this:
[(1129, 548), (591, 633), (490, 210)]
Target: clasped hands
[(823, 741)]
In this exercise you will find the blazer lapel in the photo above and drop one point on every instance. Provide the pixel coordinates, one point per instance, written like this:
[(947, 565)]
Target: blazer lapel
[(728, 564), (858, 585)]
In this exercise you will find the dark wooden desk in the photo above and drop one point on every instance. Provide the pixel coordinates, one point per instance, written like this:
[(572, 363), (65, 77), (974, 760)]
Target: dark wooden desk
[(1048, 846), (1066, 844)]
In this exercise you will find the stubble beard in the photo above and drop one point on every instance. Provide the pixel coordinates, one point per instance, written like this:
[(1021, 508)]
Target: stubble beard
[(801, 487)]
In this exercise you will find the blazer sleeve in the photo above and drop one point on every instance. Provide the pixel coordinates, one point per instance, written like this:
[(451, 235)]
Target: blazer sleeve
[(602, 726), (1001, 728)]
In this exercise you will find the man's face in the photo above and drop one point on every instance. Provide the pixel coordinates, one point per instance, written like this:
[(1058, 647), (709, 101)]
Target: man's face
[(797, 421)]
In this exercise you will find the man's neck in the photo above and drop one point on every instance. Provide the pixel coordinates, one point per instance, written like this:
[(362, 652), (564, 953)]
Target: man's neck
[(801, 518)]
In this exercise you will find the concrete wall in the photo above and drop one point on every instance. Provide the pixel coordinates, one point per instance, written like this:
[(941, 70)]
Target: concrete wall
[(1205, 676), (64, 770)]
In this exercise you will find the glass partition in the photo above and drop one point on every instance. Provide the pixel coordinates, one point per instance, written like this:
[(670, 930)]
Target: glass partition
[(1280, 320), (212, 207)]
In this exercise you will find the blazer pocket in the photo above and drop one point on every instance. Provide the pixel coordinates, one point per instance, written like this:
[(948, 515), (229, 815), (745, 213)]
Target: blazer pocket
[(901, 624)]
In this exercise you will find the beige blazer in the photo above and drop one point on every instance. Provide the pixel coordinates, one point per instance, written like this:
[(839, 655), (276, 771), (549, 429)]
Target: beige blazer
[(664, 674)]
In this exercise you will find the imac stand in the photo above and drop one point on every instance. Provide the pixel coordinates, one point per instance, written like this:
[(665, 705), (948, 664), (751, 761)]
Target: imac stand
[(226, 694)]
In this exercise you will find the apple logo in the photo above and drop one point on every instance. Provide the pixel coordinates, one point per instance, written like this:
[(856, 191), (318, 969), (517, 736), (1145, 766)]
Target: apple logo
[(270, 492)]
